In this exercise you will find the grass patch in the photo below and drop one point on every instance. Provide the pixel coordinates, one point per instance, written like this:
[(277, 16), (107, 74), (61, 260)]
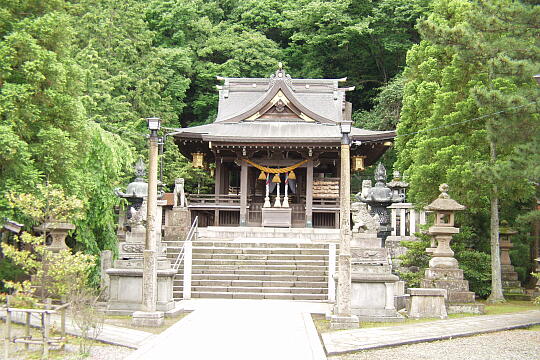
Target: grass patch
[(533, 328), (323, 325), (511, 306), (125, 321), (508, 307)]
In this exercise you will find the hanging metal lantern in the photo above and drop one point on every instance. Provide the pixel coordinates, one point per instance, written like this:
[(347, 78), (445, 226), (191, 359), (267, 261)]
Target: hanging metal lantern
[(198, 160), (358, 163), (292, 175)]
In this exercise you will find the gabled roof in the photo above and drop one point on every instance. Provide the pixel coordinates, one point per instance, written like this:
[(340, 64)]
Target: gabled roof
[(319, 100), (280, 109)]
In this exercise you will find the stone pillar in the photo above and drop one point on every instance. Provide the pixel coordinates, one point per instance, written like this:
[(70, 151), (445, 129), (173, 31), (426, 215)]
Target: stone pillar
[(150, 317), (393, 221), (243, 193), (343, 317), (309, 194), (412, 221), (402, 222), (106, 263)]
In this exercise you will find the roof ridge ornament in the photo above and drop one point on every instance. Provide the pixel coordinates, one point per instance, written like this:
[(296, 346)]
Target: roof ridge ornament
[(280, 75)]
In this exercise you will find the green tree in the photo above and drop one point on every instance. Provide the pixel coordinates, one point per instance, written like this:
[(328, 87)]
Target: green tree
[(474, 63)]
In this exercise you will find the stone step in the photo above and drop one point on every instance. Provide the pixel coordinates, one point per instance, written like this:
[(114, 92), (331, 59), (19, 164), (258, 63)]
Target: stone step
[(211, 256), (256, 272), (240, 295), (256, 289), (258, 262), (258, 251), (243, 266), (260, 277), (256, 245), (254, 283)]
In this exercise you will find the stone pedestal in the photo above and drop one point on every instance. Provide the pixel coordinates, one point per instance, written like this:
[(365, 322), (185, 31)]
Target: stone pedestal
[(178, 224), (366, 241), (338, 322), (106, 263), (373, 286), (126, 287), (511, 286), (427, 303), (149, 319)]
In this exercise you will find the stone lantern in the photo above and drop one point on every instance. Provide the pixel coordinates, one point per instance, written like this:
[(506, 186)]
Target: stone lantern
[(398, 185), (443, 271), (58, 231), (511, 285), (379, 197), (443, 229)]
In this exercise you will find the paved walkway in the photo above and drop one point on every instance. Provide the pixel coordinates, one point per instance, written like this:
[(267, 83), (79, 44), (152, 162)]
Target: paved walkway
[(240, 329), (339, 342)]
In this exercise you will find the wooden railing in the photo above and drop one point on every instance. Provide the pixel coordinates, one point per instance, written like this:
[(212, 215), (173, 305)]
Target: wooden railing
[(323, 202), (211, 199)]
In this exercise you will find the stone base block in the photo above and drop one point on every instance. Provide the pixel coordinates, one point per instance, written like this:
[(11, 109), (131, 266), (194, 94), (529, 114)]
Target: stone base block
[(365, 241), (460, 297), (450, 285), (378, 315), (444, 274), (470, 308), (512, 284), (401, 301), (149, 319), (338, 322), (427, 303), (516, 296)]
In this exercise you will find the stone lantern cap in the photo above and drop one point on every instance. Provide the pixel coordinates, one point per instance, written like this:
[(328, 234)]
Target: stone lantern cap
[(138, 188), (505, 229), (55, 225), (397, 182), (444, 202)]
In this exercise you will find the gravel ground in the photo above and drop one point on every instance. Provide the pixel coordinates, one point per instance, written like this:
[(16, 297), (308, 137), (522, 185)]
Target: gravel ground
[(98, 351), (508, 345)]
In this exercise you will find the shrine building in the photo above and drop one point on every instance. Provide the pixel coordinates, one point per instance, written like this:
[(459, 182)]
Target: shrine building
[(276, 148)]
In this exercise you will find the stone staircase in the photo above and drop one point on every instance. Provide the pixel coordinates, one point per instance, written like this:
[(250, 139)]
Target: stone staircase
[(255, 270)]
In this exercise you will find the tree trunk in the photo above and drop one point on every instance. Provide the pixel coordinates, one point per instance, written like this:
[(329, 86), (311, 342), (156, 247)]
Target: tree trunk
[(496, 295)]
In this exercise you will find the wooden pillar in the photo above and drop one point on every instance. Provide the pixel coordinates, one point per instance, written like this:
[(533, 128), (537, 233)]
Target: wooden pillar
[(218, 188), (219, 173), (243, 193), (309, 194)]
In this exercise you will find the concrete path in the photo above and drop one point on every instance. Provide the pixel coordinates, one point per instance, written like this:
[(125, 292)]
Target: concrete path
[(339, 342), (240, 329)]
